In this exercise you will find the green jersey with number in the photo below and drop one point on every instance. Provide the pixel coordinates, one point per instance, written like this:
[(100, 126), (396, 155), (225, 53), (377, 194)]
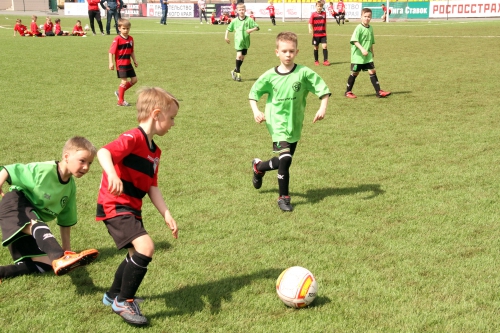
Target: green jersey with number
[(42, 186), (364, 36), (286, 99), (241, 36)]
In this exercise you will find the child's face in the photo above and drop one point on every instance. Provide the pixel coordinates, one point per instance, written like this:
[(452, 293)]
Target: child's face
[(286, 51), (165, 119), (319, 8), (366, 18), (241, 11), (78, 24), (78, 162), (124, 30)]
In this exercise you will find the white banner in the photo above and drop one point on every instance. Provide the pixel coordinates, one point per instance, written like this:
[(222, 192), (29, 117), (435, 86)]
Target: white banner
[(174, 10), (464, 8), (80, 9), (297, 10)]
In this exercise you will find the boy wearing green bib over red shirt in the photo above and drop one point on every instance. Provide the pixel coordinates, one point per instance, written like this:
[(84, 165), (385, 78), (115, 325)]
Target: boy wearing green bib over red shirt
[(287, 87)]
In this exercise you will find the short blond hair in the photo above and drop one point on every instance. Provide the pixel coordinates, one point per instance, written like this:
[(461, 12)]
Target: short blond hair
[(241, 4), (286, 36), (124, 23), (78, 143), (151, 98)]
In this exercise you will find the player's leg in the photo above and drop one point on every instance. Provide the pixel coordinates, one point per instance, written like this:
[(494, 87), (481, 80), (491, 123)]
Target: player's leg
[(24, 267), (351, 80), (99, 21), (376, 85), (285, 161), (109, 15), (273, 20), (91, 19), (315, 52), (325, 53)]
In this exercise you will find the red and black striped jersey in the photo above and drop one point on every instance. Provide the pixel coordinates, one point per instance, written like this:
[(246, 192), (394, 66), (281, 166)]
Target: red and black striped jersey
[(122, 48), (137, 166), (318, 22)]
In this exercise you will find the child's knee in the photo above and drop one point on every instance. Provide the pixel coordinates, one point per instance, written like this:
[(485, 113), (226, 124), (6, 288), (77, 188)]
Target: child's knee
[(133, 80)]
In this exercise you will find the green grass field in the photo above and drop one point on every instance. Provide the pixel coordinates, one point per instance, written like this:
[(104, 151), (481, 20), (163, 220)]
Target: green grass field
[(396, 200)]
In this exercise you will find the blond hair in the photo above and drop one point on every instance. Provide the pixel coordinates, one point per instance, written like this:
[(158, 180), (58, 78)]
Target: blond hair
[(124, 23), (152, 98), (286, 36), (78, 143)]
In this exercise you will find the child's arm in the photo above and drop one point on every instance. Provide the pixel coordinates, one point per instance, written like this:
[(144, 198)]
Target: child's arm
[(65, 238), (132, 55), (322, 108), (4, 175), (310, 28), (115, 185), (371, 50), (257, 115), (157, 200), (227, 39), (111, 62), (361, 48), (249, 31)]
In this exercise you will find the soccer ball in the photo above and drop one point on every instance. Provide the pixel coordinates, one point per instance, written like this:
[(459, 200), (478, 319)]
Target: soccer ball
[(296, 287), (86, 27)]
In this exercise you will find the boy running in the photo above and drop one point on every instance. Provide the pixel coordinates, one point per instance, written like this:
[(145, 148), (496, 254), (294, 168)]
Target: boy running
[(270, 9), (122, 49), (341, 12), (317, 27), (287, 87), (362, 41), (242, 26)]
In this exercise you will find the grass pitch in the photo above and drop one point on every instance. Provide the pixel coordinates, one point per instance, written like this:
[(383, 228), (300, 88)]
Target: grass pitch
[(396, 200)]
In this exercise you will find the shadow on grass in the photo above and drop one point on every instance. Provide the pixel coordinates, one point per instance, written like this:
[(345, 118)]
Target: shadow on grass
[(195, 298), (314, 196)]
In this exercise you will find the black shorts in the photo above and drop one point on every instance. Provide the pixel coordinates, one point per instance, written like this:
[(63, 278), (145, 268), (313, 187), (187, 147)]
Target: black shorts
[(272, 16), (318, 40), (283, 147), (124, 229), (362, 67), (15, 213), (60, 33), (125, 73), (243, 52)]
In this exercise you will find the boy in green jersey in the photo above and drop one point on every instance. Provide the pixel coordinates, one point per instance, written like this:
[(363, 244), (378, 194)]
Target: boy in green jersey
[(242, 26), (362, 41), (41, 192), (287, 87)]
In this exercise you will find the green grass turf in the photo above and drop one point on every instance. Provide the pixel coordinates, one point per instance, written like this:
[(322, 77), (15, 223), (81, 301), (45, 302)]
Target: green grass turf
[(396, 200)]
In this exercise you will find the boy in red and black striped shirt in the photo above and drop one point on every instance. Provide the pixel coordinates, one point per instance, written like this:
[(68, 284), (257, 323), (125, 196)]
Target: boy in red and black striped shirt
[(317, 27), (122, 49)]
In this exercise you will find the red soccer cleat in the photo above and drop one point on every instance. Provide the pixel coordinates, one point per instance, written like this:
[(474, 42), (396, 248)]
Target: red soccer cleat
[(349, 94), (326, 63), (316, 63), (382, 94)]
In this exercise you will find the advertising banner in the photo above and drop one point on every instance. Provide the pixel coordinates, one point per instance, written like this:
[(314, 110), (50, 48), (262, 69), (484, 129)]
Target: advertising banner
[(174, 10), (400, 10), (464, 8)]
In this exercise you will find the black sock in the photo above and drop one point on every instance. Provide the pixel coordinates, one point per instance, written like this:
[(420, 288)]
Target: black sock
[(274, 21), (24, 267), (350, 82), (238, 65), (325, 54), (269, 165), (284, 173), (116, 287), (46, 241), (315, 55), (133, 274), (376, 85)]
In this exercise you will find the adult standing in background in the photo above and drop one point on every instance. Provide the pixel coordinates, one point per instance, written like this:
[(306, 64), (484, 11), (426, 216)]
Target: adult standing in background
[(202, 10), (164, 11), (95, 13), (112, 12)]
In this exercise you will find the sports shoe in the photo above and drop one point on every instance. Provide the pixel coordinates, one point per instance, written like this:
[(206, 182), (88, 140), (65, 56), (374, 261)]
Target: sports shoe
[(233, 75), (316, 63), (129, 311), (72, 260), (257, 175), (124, 103), (349, 94), (238, 77), (117, 95), (106, 300), (326, 63), (102, 33), (284, 203), (382, 94)]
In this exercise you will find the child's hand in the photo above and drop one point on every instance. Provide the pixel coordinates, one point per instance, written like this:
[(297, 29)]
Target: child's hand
[(259, 117), (111, 66), (364, 52), (227, 40), (136, 64), (320, 115), (169, 220), (115, 185)]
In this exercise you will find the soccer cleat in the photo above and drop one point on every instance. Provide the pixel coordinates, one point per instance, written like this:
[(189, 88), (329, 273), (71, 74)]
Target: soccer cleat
[(326, 63), (117, 95), (102, 33), (284, 203), (349, 94), (382, 94), (238, 77), (129, 311), (233, 75), (316, 63), (257, 175), (124, 103), (106, 300), (72, 260)]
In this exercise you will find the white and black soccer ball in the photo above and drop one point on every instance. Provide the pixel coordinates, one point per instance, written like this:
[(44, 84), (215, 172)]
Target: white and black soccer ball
[(296, 287)]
